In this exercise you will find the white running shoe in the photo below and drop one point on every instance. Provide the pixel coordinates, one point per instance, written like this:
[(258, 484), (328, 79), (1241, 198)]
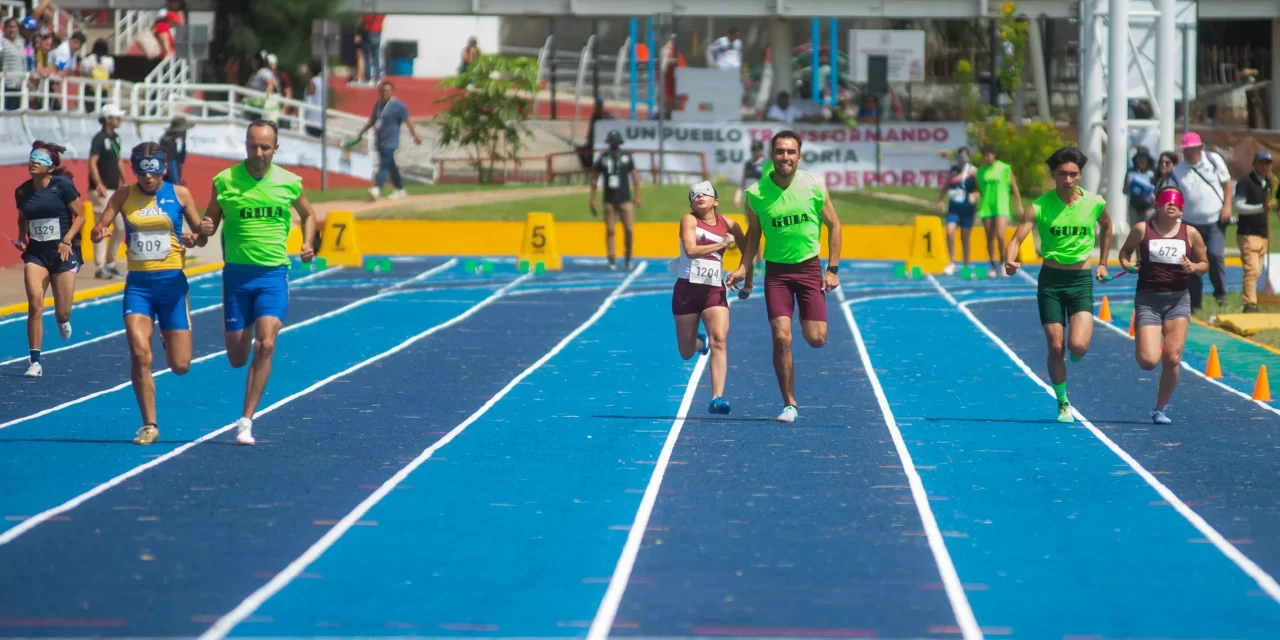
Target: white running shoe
[(398, 194), (374, 192), (244, 432), (34, 371), (950, 270), (992, 274), (789, 414), (64, 330)]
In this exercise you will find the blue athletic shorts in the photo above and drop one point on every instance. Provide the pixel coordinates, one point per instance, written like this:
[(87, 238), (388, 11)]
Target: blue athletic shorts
[(161, 296), (963, 219), (250, 292)]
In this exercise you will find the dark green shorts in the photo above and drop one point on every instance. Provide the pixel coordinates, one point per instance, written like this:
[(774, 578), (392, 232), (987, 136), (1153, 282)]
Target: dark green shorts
[(1061, 294)]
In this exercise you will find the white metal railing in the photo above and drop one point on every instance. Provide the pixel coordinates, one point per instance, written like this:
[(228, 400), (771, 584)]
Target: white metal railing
[(164, 79), (60, 95), (128, 24)]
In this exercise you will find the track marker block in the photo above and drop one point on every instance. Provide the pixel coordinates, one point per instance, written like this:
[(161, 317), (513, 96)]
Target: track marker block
[(338, 242), (1104, 314), (979, 273), (1214, 368), (900, 271), (917, 273), (486, 267), (539, 267), (966, 273), (1262, 388), (522, 266), (470, 266)]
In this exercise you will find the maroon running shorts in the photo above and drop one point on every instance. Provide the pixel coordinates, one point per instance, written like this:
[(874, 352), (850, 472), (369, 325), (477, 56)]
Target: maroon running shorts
[(786, 284), (689, 298)]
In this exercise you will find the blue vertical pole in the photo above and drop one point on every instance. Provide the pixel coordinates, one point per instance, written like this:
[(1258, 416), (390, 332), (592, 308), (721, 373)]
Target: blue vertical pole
[(653, 53), (833, 55), (815, 43), (635, 70)]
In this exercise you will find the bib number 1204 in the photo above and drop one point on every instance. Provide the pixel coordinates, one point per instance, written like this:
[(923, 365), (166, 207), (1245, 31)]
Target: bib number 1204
[(705, 272)]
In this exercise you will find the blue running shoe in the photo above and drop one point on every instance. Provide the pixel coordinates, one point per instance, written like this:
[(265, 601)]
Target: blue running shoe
[(702, 337), (718, 406)]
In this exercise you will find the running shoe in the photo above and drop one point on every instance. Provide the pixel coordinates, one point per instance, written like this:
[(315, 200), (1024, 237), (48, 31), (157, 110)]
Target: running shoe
[(34, 371), (374, 193), (702, 340), (992, 274), (244, 432), (147, 434), (1160, 417), (398, 194), (626, 265), (1064, 412), (789, 414), (64, 330), (950, 270), (718, 406)]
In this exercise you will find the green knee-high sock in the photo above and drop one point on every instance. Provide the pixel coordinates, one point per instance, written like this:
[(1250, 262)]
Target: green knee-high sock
[(1060, 389)]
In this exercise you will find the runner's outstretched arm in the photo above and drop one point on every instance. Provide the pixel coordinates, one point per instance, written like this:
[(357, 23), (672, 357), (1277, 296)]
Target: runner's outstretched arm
[(1104, 239), (308, 215), (1011, 263), (212, 216), (191, 215), (1131, 244), (746, 271)]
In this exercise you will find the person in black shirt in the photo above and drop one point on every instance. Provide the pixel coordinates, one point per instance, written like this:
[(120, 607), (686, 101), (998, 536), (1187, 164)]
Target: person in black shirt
[(49, 221), (619, 172), (1254, 205), (174, 144), (752, 171), (105, 173)]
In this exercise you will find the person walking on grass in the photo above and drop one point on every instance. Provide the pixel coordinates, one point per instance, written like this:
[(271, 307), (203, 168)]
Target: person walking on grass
[(1254, 205), (389, 112)]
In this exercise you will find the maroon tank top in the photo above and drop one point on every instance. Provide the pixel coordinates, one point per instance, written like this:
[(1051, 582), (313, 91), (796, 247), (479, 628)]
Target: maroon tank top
[(1160, 266)]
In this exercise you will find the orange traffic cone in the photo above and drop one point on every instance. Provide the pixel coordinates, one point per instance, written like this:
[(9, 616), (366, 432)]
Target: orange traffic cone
[(1214, 369), (1104, 314), (1262, 388), (1133, 319)]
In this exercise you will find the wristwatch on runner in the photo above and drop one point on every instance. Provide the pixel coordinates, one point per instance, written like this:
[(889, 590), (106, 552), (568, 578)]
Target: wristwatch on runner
[(833, 268)]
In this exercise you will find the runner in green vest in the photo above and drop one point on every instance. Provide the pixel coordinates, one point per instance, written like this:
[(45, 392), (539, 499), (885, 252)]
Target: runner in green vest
[(1070, 221), (789, 207), (256, 196), (995, 183)]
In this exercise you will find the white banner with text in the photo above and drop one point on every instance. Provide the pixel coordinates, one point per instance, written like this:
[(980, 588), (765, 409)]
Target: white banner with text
[(845, 158)]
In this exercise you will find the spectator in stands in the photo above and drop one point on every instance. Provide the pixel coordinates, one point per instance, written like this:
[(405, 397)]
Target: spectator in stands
[(469, 54), (810, 110), (43, 77), (783, 111), (870, 108), (1254, 204), (263, 78), (99, 66), (13, 61), (1140, 185), (389, 112), (106, 173), (725, 53), (166, 25), (1206, 186), (372, 46), (283, 84), (1164, 171), (67, 57), (316, 98), (174, 143)]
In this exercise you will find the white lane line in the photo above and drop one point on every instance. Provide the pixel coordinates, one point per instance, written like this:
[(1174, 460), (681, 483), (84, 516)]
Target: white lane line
[(120, 332), (358, 303), (22, 315), (33, 521), (1264, 580), (226, 623), (965, 618), (607, 612)]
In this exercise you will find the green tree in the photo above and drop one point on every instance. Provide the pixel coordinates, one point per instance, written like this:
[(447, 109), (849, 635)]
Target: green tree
[(488, 111)]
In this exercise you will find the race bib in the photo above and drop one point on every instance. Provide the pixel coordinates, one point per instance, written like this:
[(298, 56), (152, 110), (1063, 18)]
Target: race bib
[(45, 230), (613, 182), (705, 272), (958, 194), (149, 245), (1167, 250)]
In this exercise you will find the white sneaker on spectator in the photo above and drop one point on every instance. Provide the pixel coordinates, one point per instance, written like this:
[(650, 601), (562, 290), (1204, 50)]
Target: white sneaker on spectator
[(397, 194), (373, 194)]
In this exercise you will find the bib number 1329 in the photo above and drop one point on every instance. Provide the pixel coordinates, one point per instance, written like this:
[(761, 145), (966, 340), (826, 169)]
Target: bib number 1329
[(45, 230)]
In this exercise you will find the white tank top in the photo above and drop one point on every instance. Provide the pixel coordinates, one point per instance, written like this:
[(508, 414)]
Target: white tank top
[(704, 234)]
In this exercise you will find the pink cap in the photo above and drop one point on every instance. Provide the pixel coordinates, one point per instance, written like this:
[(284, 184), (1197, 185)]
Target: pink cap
[(1191, 140)]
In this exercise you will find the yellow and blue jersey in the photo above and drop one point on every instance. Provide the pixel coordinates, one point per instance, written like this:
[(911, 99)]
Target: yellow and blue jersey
[(153, 229)]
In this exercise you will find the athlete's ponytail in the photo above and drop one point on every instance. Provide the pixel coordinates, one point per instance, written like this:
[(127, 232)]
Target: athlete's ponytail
[(55, 153)]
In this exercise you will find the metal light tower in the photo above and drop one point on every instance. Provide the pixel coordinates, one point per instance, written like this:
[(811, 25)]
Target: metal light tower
[(1118, 115), (1168, 59)]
